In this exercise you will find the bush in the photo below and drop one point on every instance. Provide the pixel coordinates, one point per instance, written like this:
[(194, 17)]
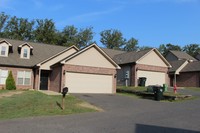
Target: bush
[(10, 82)]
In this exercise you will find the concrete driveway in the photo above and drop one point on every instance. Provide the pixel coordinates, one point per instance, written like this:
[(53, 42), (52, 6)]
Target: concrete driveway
[(122, 115)]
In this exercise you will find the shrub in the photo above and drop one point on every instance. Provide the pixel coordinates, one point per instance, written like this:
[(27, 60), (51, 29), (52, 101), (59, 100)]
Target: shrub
[(10, 82)]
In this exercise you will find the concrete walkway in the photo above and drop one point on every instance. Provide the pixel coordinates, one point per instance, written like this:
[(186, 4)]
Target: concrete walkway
[(47, 92)]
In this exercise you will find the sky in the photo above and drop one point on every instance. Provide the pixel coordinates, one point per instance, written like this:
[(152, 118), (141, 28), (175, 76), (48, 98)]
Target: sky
[(151, 22)]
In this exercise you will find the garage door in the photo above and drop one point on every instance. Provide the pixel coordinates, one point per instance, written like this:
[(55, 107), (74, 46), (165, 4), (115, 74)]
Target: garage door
[(153, 78), (88, 83)]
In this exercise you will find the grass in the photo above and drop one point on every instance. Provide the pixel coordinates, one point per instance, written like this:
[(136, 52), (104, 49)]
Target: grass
[(141, 92), (3, 91), (34, 103), (139, 88), (193, 88)]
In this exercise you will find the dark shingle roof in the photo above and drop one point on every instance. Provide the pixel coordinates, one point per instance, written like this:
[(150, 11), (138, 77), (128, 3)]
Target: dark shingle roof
[(40, 53), (182, 55), (192, 67), (175, 65), (130, 57), (112, 52)]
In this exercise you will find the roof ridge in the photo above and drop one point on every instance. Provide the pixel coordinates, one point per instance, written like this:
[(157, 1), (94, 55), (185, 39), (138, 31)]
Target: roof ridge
[(29, 41)]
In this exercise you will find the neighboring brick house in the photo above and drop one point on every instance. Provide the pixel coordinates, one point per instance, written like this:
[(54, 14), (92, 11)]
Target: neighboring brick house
[(198, 56), (136, 64), (185, 71), (49, 67)]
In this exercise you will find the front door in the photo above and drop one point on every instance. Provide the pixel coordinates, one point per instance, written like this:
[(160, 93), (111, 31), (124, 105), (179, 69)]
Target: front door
[(44, 80)]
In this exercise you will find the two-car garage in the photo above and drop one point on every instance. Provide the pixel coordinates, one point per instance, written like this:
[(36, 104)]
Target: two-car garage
[(90, 71), (88, 83), (152, 78)]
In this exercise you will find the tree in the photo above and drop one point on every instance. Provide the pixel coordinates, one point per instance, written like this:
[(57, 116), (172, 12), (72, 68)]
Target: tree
[(192, 49), (112, 39), (10, 82), (3, 19), (69, 36), (19, 28), (164, 48), (144, 48), (85, 37), (45, 31), (131, 45), (72, 36)]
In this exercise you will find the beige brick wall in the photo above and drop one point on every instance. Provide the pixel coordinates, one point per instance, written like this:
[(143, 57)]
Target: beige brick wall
[(146, 68)]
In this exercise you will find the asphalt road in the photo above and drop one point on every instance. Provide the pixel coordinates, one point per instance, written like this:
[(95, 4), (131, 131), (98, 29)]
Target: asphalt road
[(122, 115)]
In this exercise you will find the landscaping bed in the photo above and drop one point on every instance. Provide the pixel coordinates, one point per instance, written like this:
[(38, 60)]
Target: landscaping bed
[(35, 103), (141, 92)]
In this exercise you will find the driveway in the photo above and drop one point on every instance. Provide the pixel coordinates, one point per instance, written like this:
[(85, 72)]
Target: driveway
[(122, 114)]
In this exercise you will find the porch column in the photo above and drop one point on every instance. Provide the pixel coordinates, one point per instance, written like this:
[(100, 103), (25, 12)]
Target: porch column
[(39, 79)]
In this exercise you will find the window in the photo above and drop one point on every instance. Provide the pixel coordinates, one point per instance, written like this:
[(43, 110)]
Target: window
[(3, 76), (3, 50), (25, 53), (23, 78)]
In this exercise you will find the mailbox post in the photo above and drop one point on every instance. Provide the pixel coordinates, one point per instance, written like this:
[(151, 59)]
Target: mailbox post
[(64, 92)]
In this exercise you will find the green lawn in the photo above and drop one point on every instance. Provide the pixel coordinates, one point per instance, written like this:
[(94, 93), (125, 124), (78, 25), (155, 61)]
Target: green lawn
[(3, 91), (34, 103), (141, 92), (139, 88), (193, 88)]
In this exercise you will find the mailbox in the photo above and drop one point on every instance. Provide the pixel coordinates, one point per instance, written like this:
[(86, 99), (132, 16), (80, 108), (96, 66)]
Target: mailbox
[(64, 91)]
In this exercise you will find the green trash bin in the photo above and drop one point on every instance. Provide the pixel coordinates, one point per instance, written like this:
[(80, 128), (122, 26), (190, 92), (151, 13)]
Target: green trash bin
[(165, 87), (142, 81), (158, 93)]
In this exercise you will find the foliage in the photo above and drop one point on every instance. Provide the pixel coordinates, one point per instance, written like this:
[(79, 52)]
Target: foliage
[(22, 105), (112, 39), (3, 21), (10, 82), (164, 48), (131, 45), (45, 31), (144, 48), (72, 36), (192, 49), (19, 28)]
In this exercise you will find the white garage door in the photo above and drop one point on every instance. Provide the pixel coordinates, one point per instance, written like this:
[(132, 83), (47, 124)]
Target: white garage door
[(153, 78), (88, 83)]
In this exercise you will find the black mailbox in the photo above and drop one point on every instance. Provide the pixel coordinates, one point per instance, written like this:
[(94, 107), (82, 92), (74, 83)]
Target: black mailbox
[(65, 90)]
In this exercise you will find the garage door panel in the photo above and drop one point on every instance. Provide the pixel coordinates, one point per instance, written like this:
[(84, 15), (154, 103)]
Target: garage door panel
[(88, 83), (153, 78)]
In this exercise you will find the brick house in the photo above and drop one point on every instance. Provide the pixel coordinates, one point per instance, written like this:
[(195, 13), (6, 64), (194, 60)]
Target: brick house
[(136, 64), (49, 67), (185, 71)]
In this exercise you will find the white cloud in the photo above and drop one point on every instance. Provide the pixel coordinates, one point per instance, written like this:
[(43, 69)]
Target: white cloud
[(91, 16)]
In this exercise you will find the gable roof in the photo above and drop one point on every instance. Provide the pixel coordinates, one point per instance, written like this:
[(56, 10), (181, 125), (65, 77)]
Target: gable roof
[(192, 67), (182, 55), (176, 65), (85, 49), (41, 52), (3, 40), (135, 56), (198, 56), (58, 54), (112, 52), (20, 46), (129, 57)]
